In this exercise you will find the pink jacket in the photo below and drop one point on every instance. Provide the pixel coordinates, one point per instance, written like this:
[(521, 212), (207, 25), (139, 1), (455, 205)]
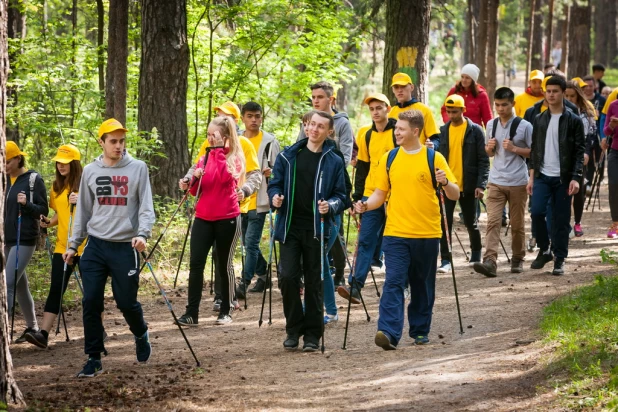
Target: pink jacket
[(217, 198), (478, 108)]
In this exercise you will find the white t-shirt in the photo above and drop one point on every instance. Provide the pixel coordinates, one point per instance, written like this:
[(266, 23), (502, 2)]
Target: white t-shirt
[(551, 162)]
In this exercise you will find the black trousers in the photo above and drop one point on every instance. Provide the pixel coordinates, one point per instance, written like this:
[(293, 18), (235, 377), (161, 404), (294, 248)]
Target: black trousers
[(301, 244), (468, 204), (52, 304), (203, 235)]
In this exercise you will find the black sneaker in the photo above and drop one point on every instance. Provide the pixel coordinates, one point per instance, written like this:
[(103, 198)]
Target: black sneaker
[(92, 368), (353, 295), (290, 343), (38, 338), (542, 258), (22, 338), (143, 350), (259, 286), (517, 265), (558, 267), (487, 268), (187, 320), (339, 281), (475, 257), (310, 346), (224, 319), (241, 290), (383, 341)]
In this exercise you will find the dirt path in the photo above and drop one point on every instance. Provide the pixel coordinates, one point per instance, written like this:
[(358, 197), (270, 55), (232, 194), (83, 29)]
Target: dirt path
[(492, 366)]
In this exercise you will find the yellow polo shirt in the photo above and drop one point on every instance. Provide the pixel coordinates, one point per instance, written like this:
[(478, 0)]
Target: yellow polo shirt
[(429, 129), (380, 143), (455, 151), (523, 102)]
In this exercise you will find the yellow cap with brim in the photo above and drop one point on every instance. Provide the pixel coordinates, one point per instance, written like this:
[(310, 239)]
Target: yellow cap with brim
[(401, 79), (578, 81), (110, 125), (544, 83), (377, 96), (455, 100), (230, 108), (536, 75), (66, 154), (12, 150)]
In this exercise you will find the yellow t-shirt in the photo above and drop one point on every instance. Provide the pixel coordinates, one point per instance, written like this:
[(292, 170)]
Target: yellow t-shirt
[(251, 163), (612, 96), (380, 143), (455, 151), (256, 142), (523, 102), (60, 204), (413, 210), (429, 129), (13, 179)]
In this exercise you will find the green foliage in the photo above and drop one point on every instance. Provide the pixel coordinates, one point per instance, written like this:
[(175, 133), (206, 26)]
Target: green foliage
[(611, 78)]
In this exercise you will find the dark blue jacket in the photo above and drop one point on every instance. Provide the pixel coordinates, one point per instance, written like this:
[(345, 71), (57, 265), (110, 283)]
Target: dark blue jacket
[(330, 187)]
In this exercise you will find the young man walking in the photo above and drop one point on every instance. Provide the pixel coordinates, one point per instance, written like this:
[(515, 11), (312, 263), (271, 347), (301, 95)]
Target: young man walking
[(267, 149), (115, 211), (556, 164), (532, 94), (508, 142), (413, 229), (308, 184), (462, 143), (373, 141)]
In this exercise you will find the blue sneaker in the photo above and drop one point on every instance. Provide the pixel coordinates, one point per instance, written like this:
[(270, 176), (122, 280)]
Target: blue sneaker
[(421, 340), (143, 350), (330, 318), (92, 368)]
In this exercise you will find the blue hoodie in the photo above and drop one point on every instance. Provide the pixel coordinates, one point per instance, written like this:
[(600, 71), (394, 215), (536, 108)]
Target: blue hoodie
[(331, 186)]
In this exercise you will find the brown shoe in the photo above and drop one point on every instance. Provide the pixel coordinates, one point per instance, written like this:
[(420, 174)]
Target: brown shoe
[(487, 268), (517, 265)]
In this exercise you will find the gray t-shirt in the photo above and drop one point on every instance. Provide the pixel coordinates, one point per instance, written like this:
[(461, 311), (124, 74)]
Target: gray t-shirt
[(551, 162), (508, 168)]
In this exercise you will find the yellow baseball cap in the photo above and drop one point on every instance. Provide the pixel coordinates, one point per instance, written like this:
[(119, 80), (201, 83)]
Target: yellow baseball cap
[(578, 81), (536, 75), (401, 79), (66, 154), (110, 125), (229, 108), (377, 96), (544, 83), (455, 100), (12, 150)]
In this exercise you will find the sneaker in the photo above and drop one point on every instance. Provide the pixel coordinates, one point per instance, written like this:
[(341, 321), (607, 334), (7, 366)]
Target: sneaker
[(487, 268), (517, 265), (37, 338), (475, 257), (406, 293), (290, 343), (353, 295), (259, 286), (531, 244), (445, 267), (330, 318), (234, 305), (339, 281), (22, 338), (383, 341), (611, 232), (143, 350), (92, 368), (241, 290), (558, 267), (588, 190), (421, 340), (187, 320), (310, 346), (224, 319), (542, 258), (217, 305)]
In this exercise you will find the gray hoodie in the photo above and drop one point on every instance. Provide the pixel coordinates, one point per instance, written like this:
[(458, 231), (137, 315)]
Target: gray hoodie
[(344, 137), (115, 202), (266, 160)]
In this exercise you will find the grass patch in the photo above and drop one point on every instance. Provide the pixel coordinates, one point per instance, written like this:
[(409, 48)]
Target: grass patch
[(584, 327)]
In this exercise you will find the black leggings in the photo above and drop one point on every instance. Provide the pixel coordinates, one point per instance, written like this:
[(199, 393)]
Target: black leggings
[(52, 304), (578, 202), (204, 233)]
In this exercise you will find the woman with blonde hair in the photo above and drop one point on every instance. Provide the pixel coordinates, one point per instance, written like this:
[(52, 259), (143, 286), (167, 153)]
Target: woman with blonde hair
[(216, 182)]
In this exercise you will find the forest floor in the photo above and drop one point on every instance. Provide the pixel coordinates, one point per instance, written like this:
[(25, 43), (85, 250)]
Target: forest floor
[(498, 364)]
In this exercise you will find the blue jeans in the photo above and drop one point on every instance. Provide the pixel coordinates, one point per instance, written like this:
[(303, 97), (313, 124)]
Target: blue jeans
[(329, 283), (252, 226), (372, 228), (549, 194), (414, 260)]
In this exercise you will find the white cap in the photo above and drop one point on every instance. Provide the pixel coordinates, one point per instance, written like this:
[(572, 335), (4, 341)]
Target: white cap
[(471, 70)]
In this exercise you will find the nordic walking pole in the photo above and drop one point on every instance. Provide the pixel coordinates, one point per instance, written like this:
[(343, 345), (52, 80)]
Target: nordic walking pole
[(184, 246), (242, 263), (357, 221), (16, 267), (322, 264), (351, 270), (461, 244), (347, 235), (64, 277), (450, 252), (169, 306), (212, 272), (596, 180), (271, 242), (507, 229)]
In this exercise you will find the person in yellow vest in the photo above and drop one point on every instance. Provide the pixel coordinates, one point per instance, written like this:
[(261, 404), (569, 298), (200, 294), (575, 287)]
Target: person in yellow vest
[(533, 93)]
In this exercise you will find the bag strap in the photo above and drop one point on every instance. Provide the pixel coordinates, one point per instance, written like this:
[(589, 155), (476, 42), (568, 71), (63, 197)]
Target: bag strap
[(267, 153), (431, 155), (514, 126)]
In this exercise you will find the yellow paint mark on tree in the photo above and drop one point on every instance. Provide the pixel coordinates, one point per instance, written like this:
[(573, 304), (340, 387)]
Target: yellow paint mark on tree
[(406, 59)]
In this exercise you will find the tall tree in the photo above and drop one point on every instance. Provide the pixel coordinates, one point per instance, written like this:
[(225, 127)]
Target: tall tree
[(566, 27), (9, 392), (579, 39), (472, 29), (162, 102), (117, 55), (536, 59), (407, 50), (549, 32), (100, 46), (481, 52), (16, 30), (604, 19), (531, 34), (491, 66)]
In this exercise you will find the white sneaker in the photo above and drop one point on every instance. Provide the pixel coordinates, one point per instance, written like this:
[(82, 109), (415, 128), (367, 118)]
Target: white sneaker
[(330, 318), (224, 319), (445, 267)]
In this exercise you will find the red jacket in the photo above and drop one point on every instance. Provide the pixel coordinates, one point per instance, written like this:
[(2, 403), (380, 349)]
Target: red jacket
[(477, 108), (217, 198)]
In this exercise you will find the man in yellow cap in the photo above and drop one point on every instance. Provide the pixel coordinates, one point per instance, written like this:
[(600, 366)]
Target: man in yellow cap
[(462, 143), (115, 211), (533, 93), (402, 89)]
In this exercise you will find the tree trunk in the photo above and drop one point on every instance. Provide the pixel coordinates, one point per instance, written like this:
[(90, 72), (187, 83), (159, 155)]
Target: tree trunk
[(549, 33), (491, 69), (117, 55), (100, 45), (611, 34), (472, 27), (9, 392), (579, 40), (481, 52), (564, 62), (530, 40), (16, 30), (163, 89), (536, 61), (407, 50)]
